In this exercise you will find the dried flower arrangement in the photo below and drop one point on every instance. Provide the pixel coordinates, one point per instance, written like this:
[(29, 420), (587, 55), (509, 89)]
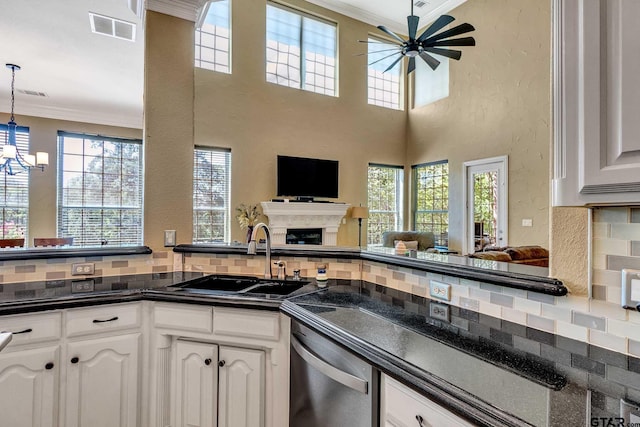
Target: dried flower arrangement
[(247, 215)]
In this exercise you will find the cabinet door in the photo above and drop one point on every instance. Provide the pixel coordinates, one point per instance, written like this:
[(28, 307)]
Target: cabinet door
[(102, 382), (241, 388), (402, 407), (196, 384), (29, 388)]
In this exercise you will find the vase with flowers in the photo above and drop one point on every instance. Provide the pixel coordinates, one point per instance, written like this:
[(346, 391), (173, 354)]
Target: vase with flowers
[(248, 216)]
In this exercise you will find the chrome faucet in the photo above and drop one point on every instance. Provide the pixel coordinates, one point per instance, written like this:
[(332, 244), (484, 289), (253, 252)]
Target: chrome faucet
[(251, 249)]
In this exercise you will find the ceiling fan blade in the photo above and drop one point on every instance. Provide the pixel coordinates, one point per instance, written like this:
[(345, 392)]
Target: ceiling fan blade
[(412, 65), (455, 31), (449, 53), (464, 41), (437, 25), (385, 57), (412, 21), (393, 64), (378, 51), (379, 42), (430, 60), (391, 33)]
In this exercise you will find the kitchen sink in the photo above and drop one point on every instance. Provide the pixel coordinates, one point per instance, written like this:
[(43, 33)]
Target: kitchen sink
[(242, 285)]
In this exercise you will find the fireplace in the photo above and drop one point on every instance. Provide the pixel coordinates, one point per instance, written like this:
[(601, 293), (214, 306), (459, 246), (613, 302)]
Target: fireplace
[(321, 219)]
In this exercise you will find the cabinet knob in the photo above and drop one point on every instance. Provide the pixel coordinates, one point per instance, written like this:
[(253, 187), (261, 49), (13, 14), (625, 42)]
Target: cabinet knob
[(48, 366), (221, 363), (74, 360), (420, 421), (207, 362)]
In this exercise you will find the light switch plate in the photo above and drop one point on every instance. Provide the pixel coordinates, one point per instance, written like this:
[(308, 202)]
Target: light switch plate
[(440, 290), (169, 238), (630, 288)]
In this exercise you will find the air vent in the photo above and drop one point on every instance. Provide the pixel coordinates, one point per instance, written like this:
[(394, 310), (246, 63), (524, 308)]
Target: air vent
[(32, 92), (112, 27), (420, 3)]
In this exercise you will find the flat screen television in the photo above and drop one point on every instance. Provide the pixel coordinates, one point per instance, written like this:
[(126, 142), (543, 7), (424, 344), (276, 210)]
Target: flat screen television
[(307, 178)]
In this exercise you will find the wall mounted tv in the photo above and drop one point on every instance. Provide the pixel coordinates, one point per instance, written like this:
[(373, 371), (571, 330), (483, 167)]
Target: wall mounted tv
[(307, 178)]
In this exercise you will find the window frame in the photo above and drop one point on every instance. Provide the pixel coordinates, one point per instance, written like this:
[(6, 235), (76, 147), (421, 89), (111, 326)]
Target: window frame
[(226, 209), (399, 202), (439, 237), (303, 62), (136, 209), (399, 66), (198, 46), (22, 185)]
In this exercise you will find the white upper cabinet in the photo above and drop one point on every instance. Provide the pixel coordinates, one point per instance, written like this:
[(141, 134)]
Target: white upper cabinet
[(596, 102)]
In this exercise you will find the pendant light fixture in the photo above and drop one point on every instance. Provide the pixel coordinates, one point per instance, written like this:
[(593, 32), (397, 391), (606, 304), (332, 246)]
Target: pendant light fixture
[(12, 161)]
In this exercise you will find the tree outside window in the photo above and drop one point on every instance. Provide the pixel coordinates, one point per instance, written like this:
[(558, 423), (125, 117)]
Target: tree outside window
[(431, 200), (384, 194), (211, 190)]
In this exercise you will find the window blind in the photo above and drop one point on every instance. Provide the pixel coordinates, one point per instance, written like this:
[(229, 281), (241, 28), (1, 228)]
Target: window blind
[(14, 192), (211, 194)]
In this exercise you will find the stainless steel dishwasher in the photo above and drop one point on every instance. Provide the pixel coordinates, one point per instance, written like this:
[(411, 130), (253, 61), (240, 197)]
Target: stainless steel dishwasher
[(330, 387)]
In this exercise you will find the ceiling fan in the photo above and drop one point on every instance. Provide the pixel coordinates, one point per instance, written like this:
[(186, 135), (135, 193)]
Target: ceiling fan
[(428, 42)]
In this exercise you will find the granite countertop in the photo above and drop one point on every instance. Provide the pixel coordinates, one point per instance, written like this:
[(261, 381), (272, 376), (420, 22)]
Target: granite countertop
[(490, 371)]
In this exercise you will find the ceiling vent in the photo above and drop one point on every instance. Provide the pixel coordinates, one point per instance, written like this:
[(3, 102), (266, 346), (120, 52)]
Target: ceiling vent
[(112, 27), (419, 3), (32, 92)]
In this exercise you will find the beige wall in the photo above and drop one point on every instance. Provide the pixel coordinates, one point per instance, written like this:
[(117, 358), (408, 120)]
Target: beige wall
[(259, 120), (43, 190), (499, 104)]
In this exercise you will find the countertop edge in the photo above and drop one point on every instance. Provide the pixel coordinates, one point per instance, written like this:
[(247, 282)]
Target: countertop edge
[(50, 253), (453, 398)]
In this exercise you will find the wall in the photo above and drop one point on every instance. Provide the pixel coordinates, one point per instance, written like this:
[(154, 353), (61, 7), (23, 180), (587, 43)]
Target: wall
[(259, 120), (499, 104), (43, 186)]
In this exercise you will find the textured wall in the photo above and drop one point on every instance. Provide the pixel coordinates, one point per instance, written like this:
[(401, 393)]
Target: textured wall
[(499, 104)]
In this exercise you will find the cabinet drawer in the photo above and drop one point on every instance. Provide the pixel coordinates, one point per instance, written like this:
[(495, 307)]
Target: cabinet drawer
[(104, 318), (29, 328), (184, 317), (401, 406), (246, 323)]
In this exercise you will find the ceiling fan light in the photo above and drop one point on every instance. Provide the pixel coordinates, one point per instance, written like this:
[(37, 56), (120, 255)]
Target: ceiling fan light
[(412, 53)]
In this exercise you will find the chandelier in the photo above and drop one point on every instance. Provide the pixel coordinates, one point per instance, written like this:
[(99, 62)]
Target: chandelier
[(12, 161)]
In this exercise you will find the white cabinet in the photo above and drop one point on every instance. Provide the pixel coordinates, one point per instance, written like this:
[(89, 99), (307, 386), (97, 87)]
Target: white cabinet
[(596, 102), (102, 382), (29, 382), (241, 387), (402, 407), (210, 377)]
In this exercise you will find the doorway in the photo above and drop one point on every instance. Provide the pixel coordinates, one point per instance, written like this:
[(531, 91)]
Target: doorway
[(486, 203)]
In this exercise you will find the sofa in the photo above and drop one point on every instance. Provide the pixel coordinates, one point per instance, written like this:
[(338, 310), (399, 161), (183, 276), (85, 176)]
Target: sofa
[(529, 255), (424, 239)]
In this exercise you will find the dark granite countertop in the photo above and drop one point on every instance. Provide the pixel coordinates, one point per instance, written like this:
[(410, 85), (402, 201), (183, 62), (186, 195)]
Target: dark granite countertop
[(490, 371)]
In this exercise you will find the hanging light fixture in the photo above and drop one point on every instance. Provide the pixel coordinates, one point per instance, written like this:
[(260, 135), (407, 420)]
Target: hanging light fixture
[(12, 161)]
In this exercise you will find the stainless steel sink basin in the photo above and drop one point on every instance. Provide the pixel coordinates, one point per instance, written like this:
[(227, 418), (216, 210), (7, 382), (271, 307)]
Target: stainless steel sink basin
[(243, 285)]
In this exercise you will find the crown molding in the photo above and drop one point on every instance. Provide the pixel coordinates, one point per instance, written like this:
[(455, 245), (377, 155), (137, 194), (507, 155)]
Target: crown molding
[(184, 9), (123, 118)]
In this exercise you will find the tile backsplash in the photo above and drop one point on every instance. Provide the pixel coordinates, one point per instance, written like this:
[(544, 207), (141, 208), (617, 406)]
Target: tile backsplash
[(599, 320)]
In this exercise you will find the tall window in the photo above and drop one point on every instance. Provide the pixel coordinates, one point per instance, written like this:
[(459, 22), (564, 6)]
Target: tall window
[(301, 51), (430, 85), (211, 190), (383, 86), (431, 199), (213, 37), (14, 192), (99, 189), (384, 193)]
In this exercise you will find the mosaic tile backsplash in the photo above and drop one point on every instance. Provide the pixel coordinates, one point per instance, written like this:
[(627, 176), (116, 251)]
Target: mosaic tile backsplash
[(599, 321)]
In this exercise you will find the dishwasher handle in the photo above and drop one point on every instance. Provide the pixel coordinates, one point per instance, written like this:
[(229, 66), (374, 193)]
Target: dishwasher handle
[(332, 372)]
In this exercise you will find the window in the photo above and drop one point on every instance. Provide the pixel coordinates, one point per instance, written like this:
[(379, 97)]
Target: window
[(213, 37), (430, 85), (431, 200), (384, 193), (301, 51), (211, 190), (14, 192), (99, 190), (383, 86)]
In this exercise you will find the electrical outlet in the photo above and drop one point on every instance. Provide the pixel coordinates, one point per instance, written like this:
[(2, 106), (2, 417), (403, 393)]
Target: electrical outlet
[(527, 222), (82, 286), (440, 290), (439, 311), (169, 238), (83, 269), (630, 288)]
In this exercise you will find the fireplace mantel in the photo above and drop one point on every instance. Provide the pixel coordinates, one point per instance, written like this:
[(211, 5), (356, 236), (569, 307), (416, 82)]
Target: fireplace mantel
[(283, 216)]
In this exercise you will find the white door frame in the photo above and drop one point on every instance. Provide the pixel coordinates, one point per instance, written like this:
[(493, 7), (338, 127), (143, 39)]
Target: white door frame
[(500, 164)]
